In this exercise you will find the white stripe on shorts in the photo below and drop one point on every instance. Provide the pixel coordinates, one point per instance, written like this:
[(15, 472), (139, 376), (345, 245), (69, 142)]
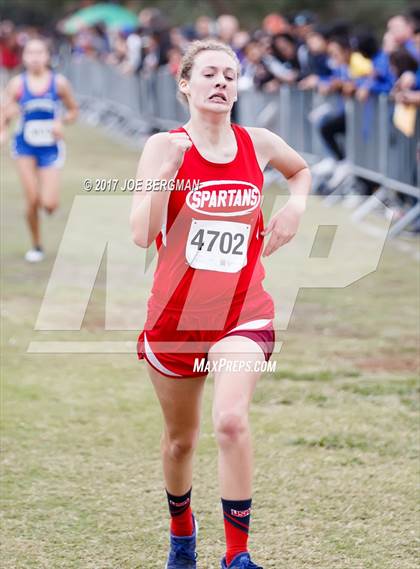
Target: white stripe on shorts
[(61, 155), (252, 325), (153, 359)]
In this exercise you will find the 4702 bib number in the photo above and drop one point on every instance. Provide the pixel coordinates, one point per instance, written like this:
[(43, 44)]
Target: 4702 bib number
[(217, 245)]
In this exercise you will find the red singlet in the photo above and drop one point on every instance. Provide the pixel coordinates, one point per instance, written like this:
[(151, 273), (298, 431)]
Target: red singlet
[(208, 279)]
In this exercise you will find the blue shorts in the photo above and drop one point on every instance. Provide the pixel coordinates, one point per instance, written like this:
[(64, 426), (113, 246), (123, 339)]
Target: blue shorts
[(45, 156)]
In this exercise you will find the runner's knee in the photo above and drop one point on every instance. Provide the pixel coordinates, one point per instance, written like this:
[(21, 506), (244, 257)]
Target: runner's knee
[(50, 205), (229, 426), (32, 204), (181, 446)]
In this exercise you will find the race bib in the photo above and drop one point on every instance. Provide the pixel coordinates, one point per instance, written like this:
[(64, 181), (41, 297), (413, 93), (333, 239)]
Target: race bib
[(217, 245), (39, 133)]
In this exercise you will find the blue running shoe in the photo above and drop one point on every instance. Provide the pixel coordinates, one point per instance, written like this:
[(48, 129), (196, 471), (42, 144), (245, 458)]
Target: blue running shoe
[(241, 561), (182, 554)]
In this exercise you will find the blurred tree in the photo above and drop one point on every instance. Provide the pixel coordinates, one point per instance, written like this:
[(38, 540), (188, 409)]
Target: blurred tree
[(250, 12), (40, 13), (44, 13)]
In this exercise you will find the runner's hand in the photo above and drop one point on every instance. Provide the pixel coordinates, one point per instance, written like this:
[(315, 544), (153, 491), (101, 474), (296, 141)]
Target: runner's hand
[(179, 143), (57, 129), (283, 227)]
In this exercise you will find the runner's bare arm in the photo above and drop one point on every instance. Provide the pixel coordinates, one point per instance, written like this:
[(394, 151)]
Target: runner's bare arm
[(9, 107), (161, 159), (274, 151), (65, 92)]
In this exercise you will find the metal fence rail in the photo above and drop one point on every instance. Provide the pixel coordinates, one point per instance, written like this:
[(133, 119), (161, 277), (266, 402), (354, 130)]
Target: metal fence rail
[(374, 148)]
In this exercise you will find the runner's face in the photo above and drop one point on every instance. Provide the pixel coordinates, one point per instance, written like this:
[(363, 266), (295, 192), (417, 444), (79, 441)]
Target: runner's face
[(213, 72), (35, 56)]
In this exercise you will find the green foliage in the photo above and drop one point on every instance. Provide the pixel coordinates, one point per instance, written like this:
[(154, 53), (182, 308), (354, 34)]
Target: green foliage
[(179, 12)]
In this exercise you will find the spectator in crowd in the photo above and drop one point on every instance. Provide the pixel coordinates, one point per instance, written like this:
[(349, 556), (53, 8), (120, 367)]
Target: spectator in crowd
[(401, 27), (254, 71), (279, 51), (240, 40), (96, 43), (361, 65), (284, 48), (406, 91), (407, 70), (333, 124), (100, 39), (151, 19), (381, 79), (414, 15), (404, 64), (417, 38), (134, 51), (205, 28), (315, 67), (152, 55), (274, 24), (303, 26), (175, 54), (332, 121), (263, 70), (227, 27), (178, 39), (408, 97), (10, 50), (119, 53), (332, 59), (292, 50)]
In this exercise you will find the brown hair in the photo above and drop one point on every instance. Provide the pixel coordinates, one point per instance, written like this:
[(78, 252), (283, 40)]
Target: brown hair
[(195, 48), (40, 39)]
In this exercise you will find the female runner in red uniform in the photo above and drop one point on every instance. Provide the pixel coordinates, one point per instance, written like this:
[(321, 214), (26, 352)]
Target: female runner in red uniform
[(208, 304)]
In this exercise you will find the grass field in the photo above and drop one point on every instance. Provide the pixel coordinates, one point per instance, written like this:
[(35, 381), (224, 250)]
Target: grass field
[(336, 426)]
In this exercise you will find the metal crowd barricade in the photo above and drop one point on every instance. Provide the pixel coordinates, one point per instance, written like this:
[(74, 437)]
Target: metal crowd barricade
[(381, 153), (125, 103), (375, 149), (365, 141), (287, 113)]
